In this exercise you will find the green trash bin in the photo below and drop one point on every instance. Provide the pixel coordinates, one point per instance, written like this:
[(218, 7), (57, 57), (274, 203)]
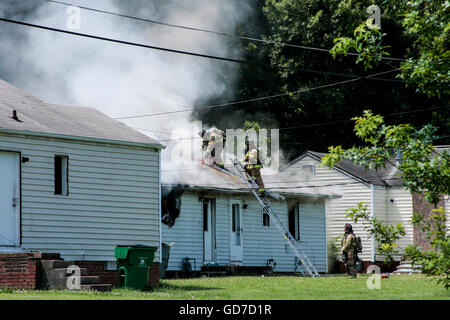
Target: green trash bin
[(133, 264)]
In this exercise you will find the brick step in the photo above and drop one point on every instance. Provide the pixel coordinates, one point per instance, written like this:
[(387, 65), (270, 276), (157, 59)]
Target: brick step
[(97, 287), (55, 264)]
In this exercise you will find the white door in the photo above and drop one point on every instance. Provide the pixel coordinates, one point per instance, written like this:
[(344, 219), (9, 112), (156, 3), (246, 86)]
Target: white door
[(209, 231), (9, 199), (236, 233)]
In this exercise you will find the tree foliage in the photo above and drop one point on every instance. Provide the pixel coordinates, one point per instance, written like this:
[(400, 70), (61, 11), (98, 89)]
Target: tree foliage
[(427, 24), (435, 262), (315, 119), (421, 167)]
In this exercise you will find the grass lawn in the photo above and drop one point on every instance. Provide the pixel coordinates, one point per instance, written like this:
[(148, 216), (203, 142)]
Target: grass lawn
[(260, 288)]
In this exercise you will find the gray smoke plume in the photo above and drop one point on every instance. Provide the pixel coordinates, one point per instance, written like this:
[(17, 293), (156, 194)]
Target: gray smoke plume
[(116, 79)]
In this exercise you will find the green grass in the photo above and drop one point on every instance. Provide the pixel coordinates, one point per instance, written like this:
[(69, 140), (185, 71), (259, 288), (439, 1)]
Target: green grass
[(263, 288)]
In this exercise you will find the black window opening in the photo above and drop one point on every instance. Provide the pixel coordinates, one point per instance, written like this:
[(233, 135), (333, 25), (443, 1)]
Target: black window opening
[(62, 175), (294, 222), (265, 219), (205, 215)]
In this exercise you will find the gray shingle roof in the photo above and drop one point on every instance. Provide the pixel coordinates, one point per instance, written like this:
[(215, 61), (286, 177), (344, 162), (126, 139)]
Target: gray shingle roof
[(387, 176), (203, 177), (42, 117)]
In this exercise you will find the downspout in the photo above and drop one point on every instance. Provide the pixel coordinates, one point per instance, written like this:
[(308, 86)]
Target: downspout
[(372, 215), (159, 206)]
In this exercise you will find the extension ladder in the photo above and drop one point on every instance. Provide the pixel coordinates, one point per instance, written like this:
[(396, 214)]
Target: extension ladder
[(267, 208)]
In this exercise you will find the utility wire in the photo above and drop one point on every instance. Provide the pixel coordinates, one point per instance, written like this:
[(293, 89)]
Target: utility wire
[(142, 45), (208, 31), (255, 99), (309, 126)]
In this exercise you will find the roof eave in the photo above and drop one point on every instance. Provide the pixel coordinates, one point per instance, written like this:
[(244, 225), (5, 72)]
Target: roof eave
[(82, 139)]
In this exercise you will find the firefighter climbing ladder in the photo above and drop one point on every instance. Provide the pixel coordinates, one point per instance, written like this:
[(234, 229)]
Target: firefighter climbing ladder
[(267, 208)]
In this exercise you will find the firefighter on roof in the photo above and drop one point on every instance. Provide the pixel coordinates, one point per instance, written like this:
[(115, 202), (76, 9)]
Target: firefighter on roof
[(253, 164)]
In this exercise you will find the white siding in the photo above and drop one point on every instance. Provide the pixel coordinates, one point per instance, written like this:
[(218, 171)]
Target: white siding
[(399, 210), (352, 192), (113, 197), (259, 243), (186, 234)]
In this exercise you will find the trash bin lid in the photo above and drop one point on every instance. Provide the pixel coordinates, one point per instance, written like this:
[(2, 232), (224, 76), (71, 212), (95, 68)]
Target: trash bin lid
[(121, 252)]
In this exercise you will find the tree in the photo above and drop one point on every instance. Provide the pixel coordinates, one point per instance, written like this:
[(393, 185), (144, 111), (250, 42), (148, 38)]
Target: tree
[(385, 235), (435, 262), (300, 116), (422, 169)]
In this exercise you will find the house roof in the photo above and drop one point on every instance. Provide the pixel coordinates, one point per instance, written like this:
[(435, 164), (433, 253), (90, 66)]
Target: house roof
[(386, 176), (205, 178), (42, 118)]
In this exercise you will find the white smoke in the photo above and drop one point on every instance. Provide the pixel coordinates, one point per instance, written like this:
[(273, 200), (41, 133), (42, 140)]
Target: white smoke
[(122, 80)]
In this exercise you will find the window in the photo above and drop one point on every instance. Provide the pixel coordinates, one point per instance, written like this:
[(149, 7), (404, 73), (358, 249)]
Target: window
[(294, 222), (265, 218), (205, 215), (62, 175), (236, 224), (308, 170)]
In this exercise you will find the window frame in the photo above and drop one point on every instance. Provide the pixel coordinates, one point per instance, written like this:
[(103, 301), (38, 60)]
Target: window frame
[(307, 164)]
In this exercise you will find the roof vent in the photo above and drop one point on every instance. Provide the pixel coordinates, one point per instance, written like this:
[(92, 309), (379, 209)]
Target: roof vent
[(15, 117)]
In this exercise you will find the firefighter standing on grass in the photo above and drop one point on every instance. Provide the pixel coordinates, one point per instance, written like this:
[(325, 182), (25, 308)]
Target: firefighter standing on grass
[(253, 164), (348, 251)]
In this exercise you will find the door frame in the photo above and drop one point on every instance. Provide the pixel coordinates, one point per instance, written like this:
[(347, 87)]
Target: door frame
[(241, 238), (18, 221)]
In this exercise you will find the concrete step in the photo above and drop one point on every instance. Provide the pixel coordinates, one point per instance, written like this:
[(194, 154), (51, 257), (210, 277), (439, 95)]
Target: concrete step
[(407, 271), (90, 279), (57, 278), (97, 287), (50, 256), (409, 266), (55, 264)]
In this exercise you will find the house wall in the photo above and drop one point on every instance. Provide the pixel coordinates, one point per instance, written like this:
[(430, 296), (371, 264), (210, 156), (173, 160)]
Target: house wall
[(400, 211), (259, 243), (352, 192), (113, 197)]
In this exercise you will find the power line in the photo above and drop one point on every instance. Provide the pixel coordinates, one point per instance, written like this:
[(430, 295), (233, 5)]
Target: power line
[(208, 31), (311, 125), (255, 99), (345, 121), (141, 45)]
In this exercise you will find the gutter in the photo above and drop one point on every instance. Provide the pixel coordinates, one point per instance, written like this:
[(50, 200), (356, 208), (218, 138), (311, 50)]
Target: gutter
[(159, 207), (82, 139)]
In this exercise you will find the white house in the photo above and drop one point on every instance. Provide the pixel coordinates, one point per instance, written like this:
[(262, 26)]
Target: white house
[(381, 190), (74, 181), (212, 217)]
